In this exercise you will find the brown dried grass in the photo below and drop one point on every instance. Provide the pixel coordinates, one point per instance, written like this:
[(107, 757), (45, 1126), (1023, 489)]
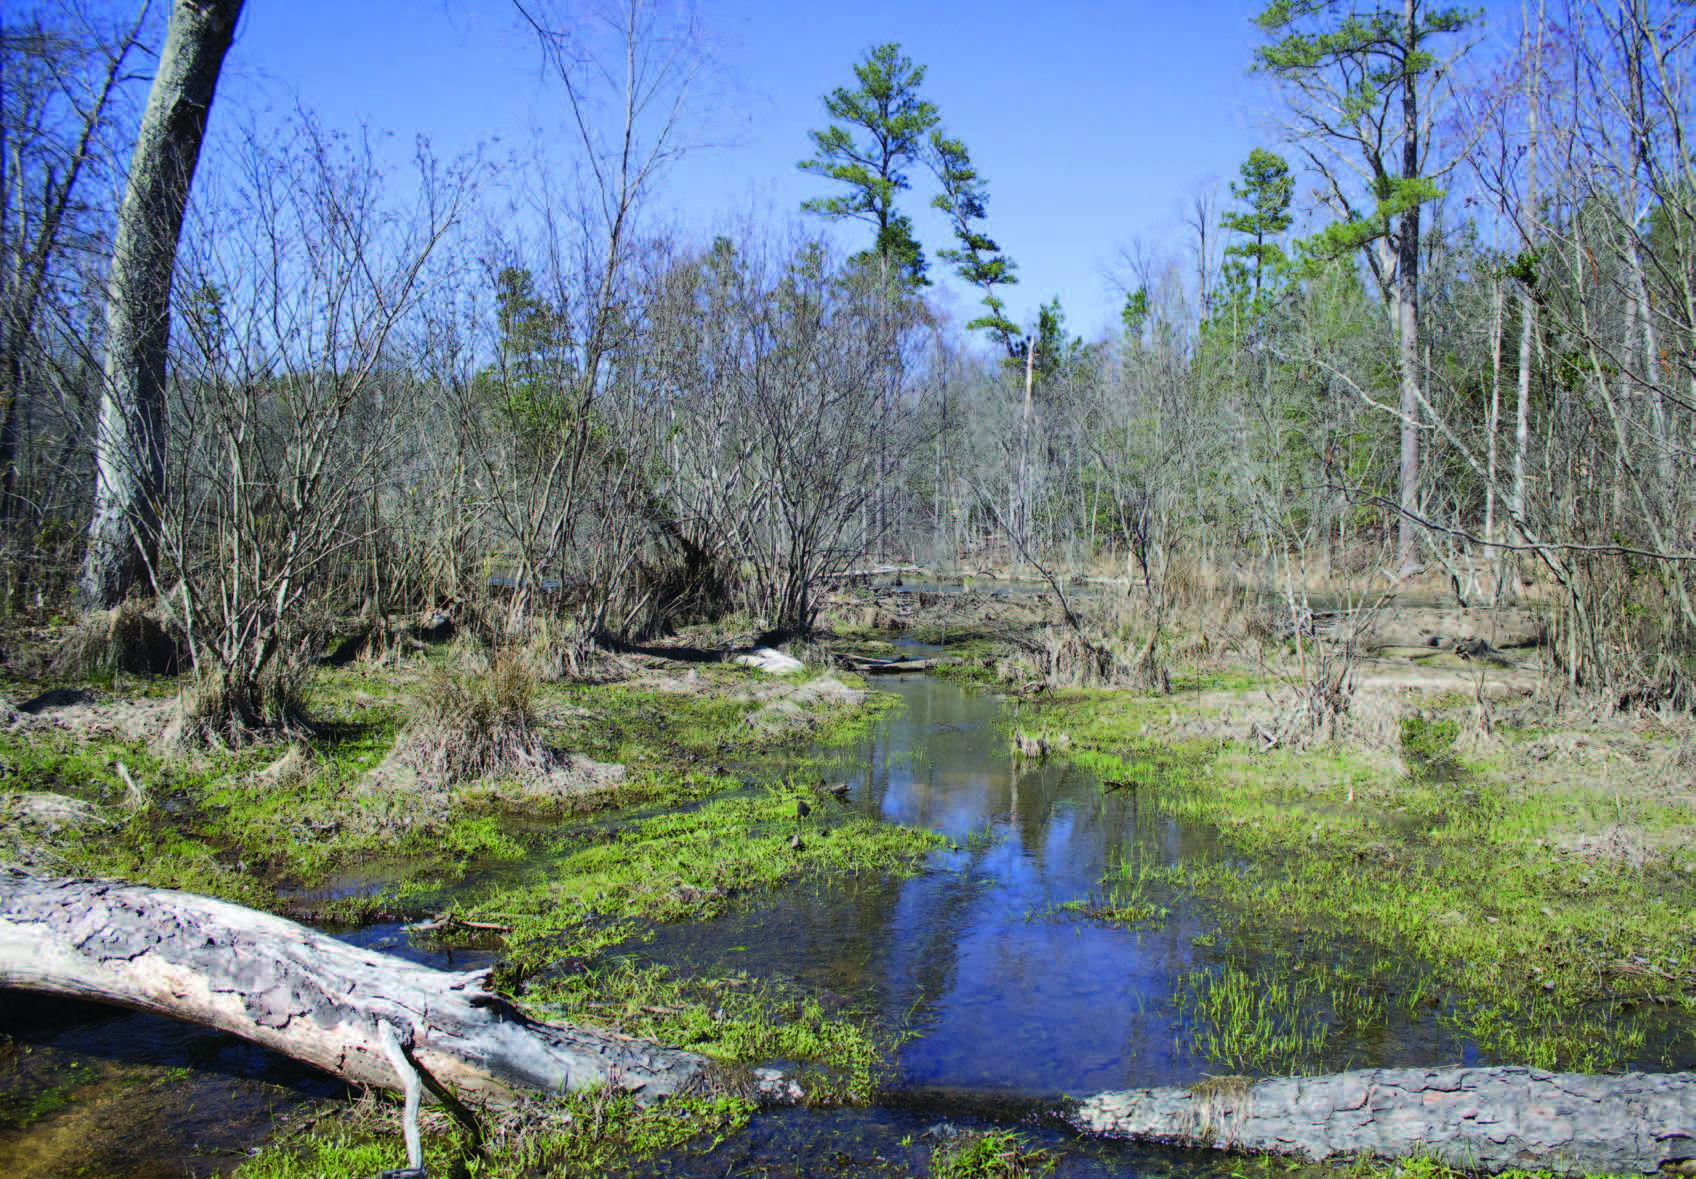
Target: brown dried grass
[(126, 639), (475, 717), (231, 707)]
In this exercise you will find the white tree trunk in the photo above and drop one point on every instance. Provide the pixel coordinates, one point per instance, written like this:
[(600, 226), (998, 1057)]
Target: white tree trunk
[(130, 444), (307, 995)]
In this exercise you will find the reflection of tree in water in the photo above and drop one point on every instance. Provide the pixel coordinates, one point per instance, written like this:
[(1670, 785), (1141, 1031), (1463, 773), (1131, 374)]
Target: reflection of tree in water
[(1007, 987)]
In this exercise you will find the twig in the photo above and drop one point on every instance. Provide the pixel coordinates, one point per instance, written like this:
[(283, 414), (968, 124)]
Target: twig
[(390, 1040)]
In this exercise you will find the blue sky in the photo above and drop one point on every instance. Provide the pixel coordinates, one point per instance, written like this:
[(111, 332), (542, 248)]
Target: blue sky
[(1096, 123)]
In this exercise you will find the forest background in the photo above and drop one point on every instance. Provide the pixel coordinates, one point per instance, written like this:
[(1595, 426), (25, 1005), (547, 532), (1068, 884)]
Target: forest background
[(1437, 328)]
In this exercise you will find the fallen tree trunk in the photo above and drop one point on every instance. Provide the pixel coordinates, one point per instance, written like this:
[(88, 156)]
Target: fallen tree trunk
[(890, 666), (311, 996), (1478, 1119)]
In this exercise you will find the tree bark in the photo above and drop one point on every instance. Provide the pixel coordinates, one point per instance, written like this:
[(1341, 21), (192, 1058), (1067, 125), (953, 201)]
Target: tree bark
[(1474, 1119), (1407, 302), (130, 445), (310, 996)]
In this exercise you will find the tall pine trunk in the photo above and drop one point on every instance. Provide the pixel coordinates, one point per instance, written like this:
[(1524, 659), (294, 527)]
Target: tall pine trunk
[(1407, 305)]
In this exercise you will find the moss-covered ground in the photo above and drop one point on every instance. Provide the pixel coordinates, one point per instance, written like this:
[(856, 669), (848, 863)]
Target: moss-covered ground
[(1509, 867), (1426, 856), (319, 828)]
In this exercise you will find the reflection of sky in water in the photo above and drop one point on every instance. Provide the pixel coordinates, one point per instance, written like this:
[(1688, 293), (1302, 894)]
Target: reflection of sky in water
[(1006, 990), (1022, 996)]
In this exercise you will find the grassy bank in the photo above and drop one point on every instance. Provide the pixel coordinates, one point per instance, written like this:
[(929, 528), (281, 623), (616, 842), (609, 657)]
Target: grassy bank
[(660, 811), (1412, 869)]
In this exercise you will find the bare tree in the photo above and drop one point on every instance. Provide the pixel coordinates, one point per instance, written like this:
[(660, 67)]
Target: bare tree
[(59, 102), (633, 75), (130, 449), (302, 371), (61, 106)]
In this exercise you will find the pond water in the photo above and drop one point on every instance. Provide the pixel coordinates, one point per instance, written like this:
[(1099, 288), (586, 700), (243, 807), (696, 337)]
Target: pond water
[(1008, 995)]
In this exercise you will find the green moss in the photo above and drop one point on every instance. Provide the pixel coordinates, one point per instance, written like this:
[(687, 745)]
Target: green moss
[(593, 1132), (1428, 745)]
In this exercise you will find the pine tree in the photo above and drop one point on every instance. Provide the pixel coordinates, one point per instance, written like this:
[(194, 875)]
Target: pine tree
[(978, 259), (1360, 87), (1266, 190), (877, 134)]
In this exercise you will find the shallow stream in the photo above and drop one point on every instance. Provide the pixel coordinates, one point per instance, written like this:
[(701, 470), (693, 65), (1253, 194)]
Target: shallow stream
[(1007, 994)]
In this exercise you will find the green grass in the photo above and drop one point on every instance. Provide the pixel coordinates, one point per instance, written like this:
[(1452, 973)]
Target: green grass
[(606, 885), (1449, 882), (989, 1154), (682, 837), (585, 1133)]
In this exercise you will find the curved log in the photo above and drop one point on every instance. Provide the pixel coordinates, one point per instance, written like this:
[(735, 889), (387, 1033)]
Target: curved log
[(310, 996), (1478, 1119)]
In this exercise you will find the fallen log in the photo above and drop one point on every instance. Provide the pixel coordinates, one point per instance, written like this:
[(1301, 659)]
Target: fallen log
[(891, 666), (312, 997), (1476, 1119)]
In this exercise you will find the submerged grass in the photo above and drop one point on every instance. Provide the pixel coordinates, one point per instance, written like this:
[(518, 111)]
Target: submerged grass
[(567, 925), (1458, 894), (989, 1154)]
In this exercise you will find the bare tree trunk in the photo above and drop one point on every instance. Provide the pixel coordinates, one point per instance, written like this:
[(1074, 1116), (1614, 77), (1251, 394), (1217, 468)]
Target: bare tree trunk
[(1527, 302), (1634, 48), (1522, 417), (1493, 555), (1407, 304), (130, 446), (1021, 511)]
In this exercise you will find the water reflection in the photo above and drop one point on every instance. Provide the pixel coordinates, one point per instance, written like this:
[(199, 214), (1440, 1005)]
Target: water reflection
[(1006, 987), (1007, 990), (92, 1090)]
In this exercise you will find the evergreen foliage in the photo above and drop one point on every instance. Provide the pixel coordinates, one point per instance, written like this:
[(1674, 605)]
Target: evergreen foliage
[(876, 137)]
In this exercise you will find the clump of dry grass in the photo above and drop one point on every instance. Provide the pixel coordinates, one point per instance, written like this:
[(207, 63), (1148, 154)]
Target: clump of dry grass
[(232, 706), (126, 639), (475, 717)]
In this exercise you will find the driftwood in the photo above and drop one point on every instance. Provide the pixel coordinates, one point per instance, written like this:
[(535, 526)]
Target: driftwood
[(1485, 1119), (890, 666), (767, 660), (311, 996)]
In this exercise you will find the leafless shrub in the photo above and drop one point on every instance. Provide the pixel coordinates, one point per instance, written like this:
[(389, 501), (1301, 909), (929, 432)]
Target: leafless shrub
[(1068, 659), (220, 709)]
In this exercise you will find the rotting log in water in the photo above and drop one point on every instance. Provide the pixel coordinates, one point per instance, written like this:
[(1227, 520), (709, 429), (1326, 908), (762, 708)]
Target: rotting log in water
[(312, 997), (1481, 1119)]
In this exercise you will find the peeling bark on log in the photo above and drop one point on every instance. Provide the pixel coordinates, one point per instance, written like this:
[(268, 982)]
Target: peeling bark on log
[(310, 996), (1484, 1119)]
